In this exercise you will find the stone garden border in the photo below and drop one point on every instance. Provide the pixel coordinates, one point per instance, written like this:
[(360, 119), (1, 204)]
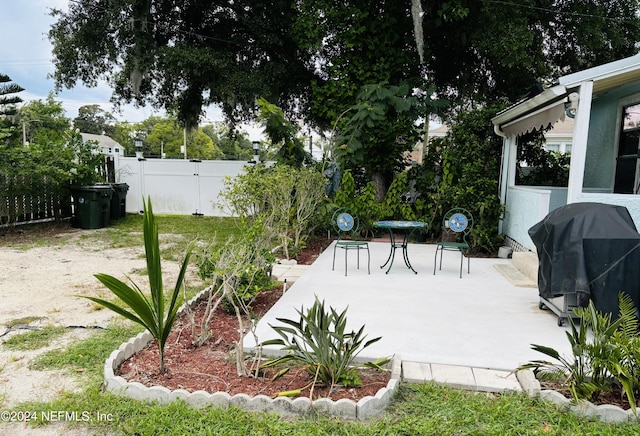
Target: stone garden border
[(365, 408), (604, 412)]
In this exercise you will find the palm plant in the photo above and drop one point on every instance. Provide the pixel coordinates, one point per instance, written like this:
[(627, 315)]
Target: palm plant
[(598, 365), (150, 313), (620, 354), (576, 372)]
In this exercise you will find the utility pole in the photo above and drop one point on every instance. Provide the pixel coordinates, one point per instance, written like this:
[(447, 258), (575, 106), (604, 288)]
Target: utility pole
[(184, 142)]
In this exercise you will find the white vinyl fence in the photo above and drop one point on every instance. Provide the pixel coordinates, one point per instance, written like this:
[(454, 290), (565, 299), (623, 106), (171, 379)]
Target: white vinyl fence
[(178, 187)]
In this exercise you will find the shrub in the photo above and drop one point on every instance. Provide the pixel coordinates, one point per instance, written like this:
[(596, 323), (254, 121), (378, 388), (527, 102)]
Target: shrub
[(287, 200), (470, 158), (240, 267)]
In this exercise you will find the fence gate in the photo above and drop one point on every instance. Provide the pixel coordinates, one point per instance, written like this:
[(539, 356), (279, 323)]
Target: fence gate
[(176, 186)]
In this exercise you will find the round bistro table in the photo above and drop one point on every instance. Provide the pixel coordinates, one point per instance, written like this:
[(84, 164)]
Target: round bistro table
[(404, 227)]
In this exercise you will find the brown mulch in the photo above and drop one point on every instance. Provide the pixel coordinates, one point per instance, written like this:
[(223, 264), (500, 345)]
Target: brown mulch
[(313, 248), (212, 366), (615, 397)]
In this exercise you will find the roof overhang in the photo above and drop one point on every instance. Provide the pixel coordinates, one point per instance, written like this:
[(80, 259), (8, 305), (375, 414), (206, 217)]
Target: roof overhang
[(546, 108), (535, 113), (606, 77)]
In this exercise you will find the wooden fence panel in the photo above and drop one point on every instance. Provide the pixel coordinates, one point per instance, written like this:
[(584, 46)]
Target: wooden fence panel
[(26, 199)]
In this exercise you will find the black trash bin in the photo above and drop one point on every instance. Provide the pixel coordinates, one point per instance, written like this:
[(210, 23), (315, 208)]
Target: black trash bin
[(119, 200), (92, 205)]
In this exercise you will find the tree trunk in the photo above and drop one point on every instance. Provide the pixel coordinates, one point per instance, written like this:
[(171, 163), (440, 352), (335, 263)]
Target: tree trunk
[(380, 181)]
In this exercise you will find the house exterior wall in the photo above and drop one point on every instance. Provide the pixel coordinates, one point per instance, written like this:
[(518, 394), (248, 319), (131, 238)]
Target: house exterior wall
[(527, 206), (631, 202), (600, 161)]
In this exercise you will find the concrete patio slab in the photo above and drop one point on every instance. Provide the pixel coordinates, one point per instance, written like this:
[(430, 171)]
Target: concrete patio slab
[(480, 320)]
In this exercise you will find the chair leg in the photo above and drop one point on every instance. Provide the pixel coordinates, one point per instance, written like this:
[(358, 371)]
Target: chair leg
[(358, 258), (468, 261), (334, 258), (345, 261), (368, 261), (461, 261)]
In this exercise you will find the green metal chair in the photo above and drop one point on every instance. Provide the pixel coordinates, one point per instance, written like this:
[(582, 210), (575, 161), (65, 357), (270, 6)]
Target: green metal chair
[(346, 225), (456, 226)]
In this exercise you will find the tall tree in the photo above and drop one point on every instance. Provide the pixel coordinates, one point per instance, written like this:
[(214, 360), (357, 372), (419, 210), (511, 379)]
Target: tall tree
[(169, 137), (8, 99), (353, 44), (181, 57), (234, 145), (312, 57), (93, 119), (44, 122), (378, 135), (484, 50), (204, 52)]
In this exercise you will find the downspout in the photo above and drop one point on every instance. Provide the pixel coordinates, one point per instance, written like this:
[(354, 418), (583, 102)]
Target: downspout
[(503, 196)]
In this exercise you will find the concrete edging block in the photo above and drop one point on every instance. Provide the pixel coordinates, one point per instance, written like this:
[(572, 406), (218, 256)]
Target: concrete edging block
[(200, 399), (529, 382), (585, 409)]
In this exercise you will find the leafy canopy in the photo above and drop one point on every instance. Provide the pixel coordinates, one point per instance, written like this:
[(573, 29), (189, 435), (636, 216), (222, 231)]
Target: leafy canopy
[(312, 57)]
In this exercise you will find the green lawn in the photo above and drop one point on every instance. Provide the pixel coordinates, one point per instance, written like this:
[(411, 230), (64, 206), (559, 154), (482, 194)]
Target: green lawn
[(416, 410)]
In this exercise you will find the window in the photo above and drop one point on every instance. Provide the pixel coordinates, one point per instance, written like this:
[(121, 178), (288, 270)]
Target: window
[(552, 147), (626, 180)]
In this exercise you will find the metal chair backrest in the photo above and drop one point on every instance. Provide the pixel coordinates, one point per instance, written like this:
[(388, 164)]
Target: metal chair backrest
[(344, 222), (457, 221)]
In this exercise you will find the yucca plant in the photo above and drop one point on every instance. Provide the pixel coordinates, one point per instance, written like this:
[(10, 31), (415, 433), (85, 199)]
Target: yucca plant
[(319, 341), (150, 313)]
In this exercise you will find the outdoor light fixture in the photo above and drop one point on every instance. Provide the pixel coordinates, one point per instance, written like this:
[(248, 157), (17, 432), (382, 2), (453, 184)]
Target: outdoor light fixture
[(256, 152), (138, 143), (571, 105)]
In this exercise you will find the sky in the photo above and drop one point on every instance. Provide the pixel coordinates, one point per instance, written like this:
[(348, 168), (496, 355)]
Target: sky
[(25, 56)]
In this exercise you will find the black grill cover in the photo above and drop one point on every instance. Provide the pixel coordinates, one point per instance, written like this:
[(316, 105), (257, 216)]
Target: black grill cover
[(591, 249)]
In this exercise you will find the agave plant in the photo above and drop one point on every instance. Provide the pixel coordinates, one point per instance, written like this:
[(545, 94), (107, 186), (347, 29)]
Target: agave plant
[(148, 312), (319, 341)]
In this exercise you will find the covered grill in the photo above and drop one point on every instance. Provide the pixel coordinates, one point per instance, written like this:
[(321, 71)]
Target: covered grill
[(587, 251)]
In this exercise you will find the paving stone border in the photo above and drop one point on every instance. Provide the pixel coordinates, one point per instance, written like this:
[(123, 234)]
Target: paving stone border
[(605, 412), (366, 408)]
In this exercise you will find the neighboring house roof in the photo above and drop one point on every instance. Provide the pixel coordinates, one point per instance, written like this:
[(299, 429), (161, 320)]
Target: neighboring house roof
[(106, 145), (102, 140)]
